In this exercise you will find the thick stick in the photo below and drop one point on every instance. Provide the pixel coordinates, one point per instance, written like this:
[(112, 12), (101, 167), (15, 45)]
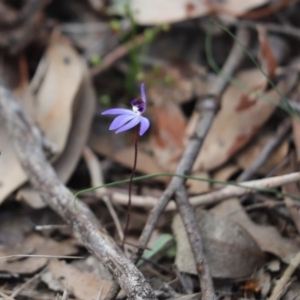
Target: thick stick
[(27, 143)]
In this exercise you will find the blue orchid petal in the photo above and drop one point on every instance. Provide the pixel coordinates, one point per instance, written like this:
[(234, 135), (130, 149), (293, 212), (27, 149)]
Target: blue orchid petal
[(143, 92), (130, 124), (120, 121), (118, 111), (144, 125)]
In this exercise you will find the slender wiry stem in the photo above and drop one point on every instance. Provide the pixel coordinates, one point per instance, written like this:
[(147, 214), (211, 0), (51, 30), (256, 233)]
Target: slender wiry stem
[(136, 136)]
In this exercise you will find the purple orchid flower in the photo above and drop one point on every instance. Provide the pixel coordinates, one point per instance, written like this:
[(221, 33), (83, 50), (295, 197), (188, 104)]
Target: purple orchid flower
[(127, 118)]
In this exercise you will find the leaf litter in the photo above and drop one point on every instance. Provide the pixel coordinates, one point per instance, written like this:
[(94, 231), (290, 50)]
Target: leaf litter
[(50, 60)]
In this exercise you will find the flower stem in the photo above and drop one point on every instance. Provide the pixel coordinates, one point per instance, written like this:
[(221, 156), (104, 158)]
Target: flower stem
[(130, 182)]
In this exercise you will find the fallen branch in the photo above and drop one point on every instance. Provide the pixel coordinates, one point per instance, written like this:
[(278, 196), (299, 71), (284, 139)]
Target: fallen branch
[(28, 147)]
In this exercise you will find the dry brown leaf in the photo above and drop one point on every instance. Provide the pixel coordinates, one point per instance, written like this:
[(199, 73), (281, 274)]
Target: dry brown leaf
[(293, 292), (247, 156), (167, 135), (296, 135), (92, 265), (267, 237), (50, 102), (124, 155), (224, 173), (266, 56), (178, 83), (239, 119), (230, 250), (15, 224), (97, 4), (292, 189), (198, 187), (84, 107), (151, 12), (33, 245), (82, 285)]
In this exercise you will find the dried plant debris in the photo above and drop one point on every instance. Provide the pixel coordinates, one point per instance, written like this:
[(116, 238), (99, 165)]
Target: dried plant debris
[(239, 120), (67, 62), (83, 285), (267, 237), (230, 250), (31, 246), (51, 101), (147, 12)]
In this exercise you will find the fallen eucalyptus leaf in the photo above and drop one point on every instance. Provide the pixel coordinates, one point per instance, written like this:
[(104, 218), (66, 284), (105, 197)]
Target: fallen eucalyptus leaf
[(50, 100), (152, 12), (82, 111), (230, 250), (83, 285), (267, 237), (33, 245)]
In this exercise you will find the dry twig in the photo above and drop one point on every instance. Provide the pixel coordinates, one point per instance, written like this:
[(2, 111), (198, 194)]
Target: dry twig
[(26, 284), (97, 180), (277, 291), (235, 191), (213, 197), (116, 54)]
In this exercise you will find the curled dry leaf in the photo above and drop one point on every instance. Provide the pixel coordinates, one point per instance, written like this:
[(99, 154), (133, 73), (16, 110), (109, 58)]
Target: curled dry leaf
[(224, 174), (293, 291), (167, 135), (58, 93), (83, 285), (83, 111), (152, 12), (247, 156), (266, 56), (231, 251), (240, 118), (198, 187), (108, 147), (267, 237), (52, 91), (33, 245), (296, 136), (178, 81), (296, 123), (15, 224)]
